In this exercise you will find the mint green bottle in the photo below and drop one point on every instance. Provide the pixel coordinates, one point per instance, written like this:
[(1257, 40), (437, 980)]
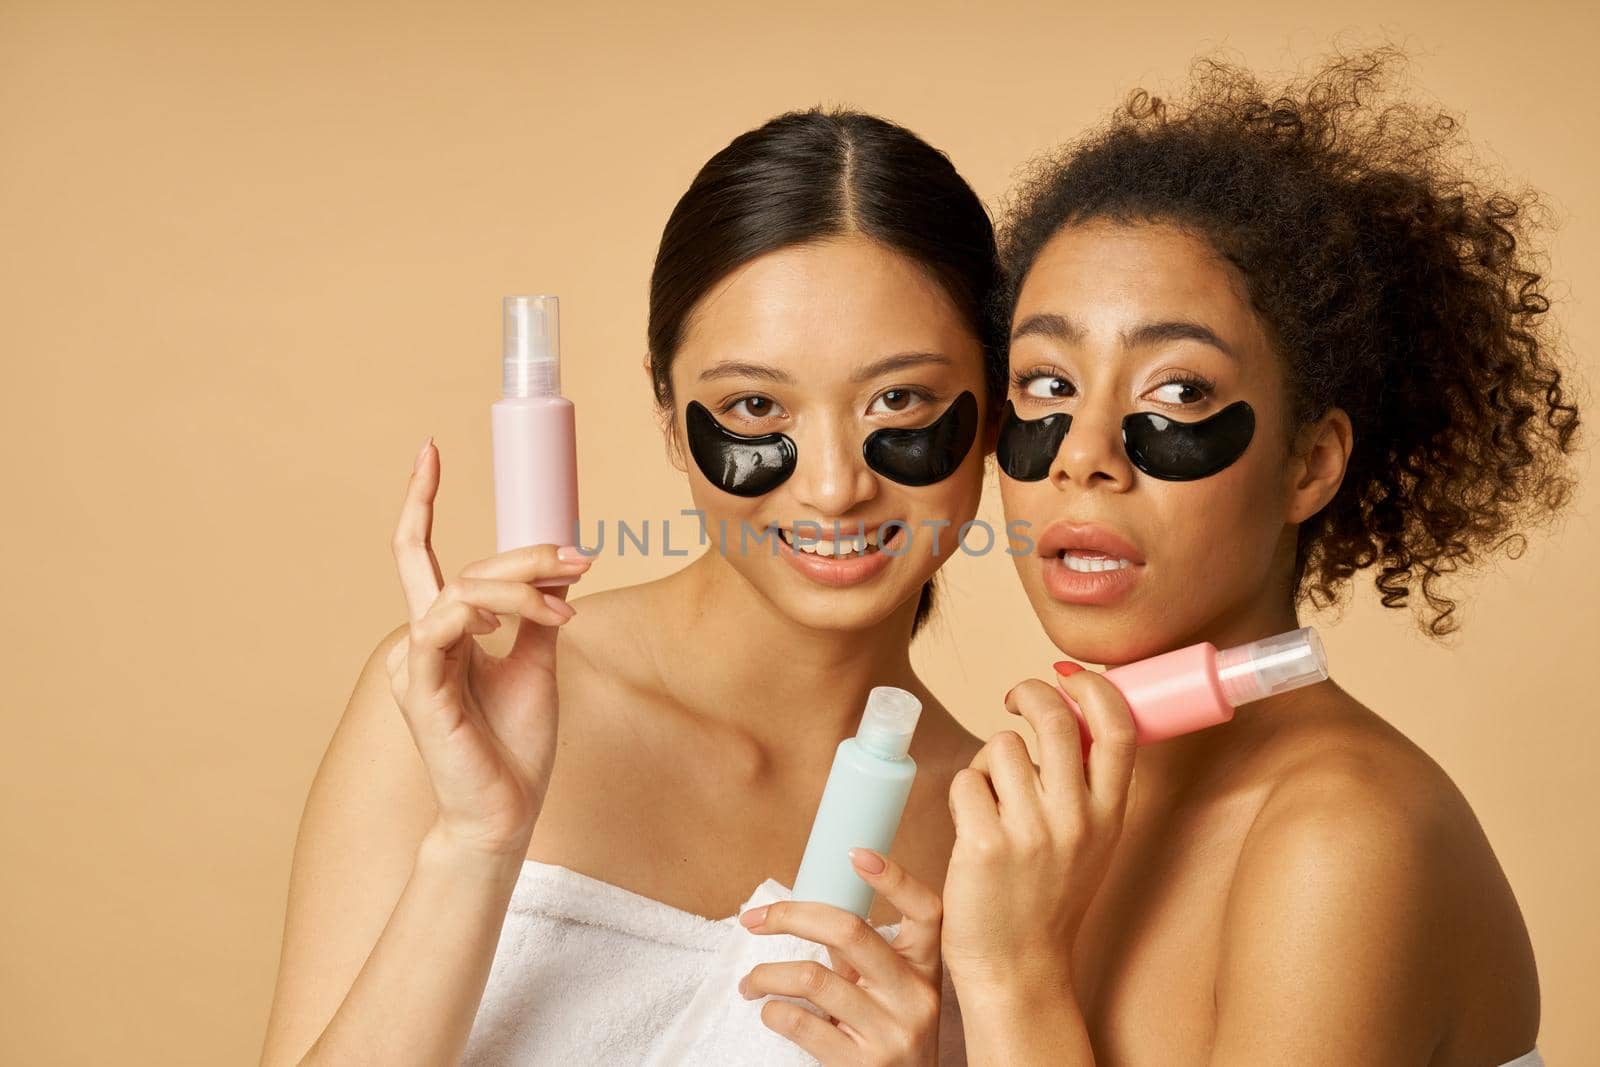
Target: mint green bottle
[(862, 802)]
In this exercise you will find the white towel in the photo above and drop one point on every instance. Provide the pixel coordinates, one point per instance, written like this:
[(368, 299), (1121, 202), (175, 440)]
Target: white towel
[(587, 972)]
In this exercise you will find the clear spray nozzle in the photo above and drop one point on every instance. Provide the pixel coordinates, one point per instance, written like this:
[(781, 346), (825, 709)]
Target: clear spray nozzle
[(890, 719), (532, 351), (1272, 665)]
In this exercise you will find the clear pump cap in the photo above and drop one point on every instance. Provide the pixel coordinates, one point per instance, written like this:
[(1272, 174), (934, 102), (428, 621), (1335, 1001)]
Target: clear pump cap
[(1272, 665), (531, 360), (890, 719)]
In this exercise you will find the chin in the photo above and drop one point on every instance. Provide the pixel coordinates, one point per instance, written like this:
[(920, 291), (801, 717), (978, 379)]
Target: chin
[(838, 610), (1103, 635)]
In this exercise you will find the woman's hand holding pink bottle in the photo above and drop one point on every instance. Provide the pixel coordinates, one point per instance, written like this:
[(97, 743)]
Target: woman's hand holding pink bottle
[(1032, 847), (485, 726)]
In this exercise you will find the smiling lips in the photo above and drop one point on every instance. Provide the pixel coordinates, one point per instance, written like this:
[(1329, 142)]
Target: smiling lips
[(822, 542), (849, 559), (1088, 564)]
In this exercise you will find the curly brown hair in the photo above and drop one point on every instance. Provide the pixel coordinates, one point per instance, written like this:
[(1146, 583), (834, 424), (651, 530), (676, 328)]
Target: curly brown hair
[(1392, 283)]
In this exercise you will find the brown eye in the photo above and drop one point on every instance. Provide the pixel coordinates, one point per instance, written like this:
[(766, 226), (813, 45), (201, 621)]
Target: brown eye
[(895, 401), (1184, 392), (753, 407), (1046, 387)]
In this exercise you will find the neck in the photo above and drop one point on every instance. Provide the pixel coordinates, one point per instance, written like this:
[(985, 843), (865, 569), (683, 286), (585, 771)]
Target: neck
[(740, 662), (1168, 768)]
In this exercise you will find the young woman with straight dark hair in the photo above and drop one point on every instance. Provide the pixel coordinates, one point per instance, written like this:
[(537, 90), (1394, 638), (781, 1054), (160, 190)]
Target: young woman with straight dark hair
[(464, 886)]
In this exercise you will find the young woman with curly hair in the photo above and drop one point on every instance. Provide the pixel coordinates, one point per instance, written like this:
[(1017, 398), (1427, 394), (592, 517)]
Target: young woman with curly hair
[(1302, 885)]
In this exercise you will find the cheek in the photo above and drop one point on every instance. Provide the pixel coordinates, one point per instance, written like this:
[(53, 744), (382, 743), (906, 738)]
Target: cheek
[(719, 510), (1223, 525), (1026, 509)]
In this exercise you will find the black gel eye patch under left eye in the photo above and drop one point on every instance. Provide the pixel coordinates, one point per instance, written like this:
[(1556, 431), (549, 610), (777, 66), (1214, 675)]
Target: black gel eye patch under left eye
[(1183, 451), (927, 454), (736, 463), (1160, 447)]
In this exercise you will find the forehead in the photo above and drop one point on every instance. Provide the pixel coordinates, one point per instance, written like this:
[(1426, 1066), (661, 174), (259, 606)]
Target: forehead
[(1103, 274), (847, 298)]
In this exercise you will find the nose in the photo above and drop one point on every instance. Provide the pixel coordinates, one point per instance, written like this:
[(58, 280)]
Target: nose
[(831, 477), (1092, 454)]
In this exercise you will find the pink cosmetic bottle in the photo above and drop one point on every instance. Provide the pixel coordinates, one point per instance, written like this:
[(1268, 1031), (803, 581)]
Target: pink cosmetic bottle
[(1191, 688), (535, 442)]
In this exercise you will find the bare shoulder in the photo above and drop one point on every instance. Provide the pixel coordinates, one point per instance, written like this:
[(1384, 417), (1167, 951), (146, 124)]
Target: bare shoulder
[(1343, 785), (1366, 872)]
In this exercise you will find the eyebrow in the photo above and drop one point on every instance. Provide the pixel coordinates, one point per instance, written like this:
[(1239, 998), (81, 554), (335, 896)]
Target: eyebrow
[(734, 368), (1150, 333), (1060, 328), (899, 362), (1055, 327)]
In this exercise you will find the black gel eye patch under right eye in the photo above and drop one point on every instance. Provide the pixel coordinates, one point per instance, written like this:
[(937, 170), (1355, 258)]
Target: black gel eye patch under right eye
[(1183, 451), (736, 463), (1027, 447)]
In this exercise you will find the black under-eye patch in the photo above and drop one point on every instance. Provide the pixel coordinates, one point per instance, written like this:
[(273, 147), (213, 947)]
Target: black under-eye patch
[(736, 463), (1027, 447), (926, 454), (1183, 451)]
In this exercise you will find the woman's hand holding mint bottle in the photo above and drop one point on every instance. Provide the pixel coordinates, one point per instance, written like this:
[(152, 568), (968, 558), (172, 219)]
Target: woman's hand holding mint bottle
[(881, 997), (485, 726), (1032, 847)]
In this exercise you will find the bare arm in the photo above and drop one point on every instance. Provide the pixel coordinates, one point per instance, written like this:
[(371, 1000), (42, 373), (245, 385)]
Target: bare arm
[(373, 894), (421, 812)]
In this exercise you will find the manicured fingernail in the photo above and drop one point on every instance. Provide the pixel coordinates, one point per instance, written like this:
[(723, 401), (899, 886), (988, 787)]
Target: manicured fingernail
[(1007, 698), (1066, 668), (559, 606), (572, 554), (744, 987), (754, 917), (867, 860), (489, 617), (422, 453)]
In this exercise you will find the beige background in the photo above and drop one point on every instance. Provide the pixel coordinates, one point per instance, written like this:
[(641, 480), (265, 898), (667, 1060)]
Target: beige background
[(248, 260)]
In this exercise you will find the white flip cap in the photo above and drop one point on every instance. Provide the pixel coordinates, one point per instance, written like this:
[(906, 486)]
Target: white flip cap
[(889, 721)]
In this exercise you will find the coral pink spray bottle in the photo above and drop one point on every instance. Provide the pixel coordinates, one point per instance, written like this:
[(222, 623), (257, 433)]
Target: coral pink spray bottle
[(1191, 688), (535, 441)]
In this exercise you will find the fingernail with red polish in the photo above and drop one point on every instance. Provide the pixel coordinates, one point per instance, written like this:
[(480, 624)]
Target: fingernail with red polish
[(1066, 668), (754, 917), (867, 860)]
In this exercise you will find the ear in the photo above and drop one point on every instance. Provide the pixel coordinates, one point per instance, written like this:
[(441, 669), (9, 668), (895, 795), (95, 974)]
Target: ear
[(1318, 463)]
